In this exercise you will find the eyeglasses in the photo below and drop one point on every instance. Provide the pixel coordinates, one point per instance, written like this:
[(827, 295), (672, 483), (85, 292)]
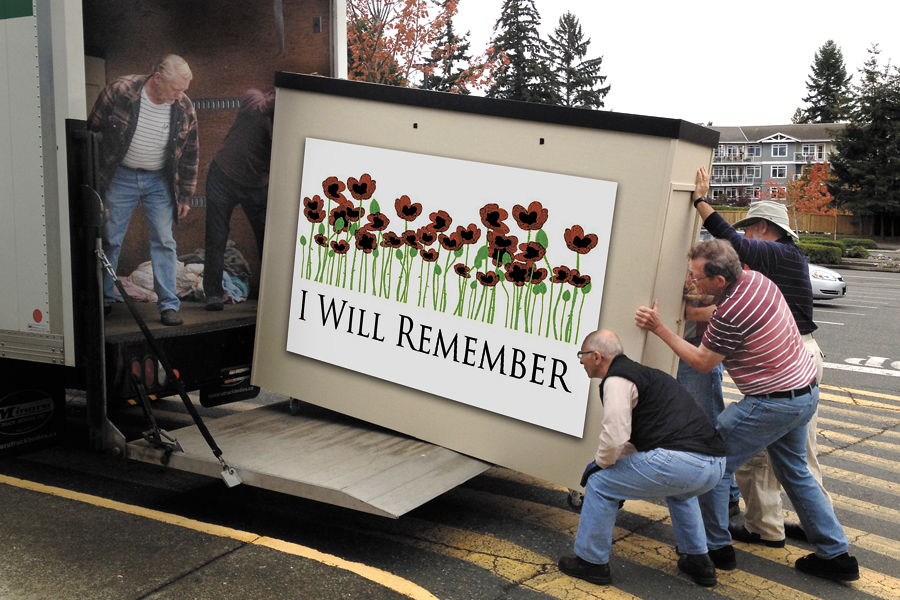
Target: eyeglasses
[(583, 352), (696, 279)]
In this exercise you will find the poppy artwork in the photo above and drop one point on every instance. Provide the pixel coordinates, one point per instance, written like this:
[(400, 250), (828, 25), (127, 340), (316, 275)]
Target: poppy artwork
[(484, 266), (423, 268)]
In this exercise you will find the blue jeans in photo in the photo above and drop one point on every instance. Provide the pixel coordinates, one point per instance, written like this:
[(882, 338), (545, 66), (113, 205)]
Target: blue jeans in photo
[(676, 476), (706, 388), (779, 424), (150, 189), (222, 196)]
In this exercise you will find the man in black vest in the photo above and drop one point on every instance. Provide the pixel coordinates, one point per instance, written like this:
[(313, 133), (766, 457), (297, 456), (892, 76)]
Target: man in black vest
[(655, 442)]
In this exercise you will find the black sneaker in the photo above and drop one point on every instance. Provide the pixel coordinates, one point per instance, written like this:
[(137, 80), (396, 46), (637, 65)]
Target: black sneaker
[(734, 508), (742, 535), (170, 317), (842, 567), (698, 567), (724, 558), (575, 566), (794, 531)]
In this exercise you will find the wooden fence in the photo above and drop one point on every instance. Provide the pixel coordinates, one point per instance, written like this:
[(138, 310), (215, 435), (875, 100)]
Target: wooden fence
[(840, 225)]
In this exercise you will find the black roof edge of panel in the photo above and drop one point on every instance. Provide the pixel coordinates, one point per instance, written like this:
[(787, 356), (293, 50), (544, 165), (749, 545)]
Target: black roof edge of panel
[(509, 109)]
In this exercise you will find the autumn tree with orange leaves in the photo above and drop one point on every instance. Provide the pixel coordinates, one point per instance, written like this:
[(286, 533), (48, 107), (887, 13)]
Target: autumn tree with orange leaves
[(399, 42), (809, 194)]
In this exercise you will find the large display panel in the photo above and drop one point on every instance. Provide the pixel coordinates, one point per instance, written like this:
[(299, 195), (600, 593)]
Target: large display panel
[(623, 180)]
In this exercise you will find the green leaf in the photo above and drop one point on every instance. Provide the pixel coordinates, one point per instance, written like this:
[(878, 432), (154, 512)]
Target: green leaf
[(539, 289), (399, 254), (542, 239), (339, 223), (353, 228), (375, 252), (458, 253), (501, 276), (413, 252), (567, 296), (507, 258), (322, 228), (437, 269), (302, 240), (374, 207), (586, 289), (481, 256), (473, 285), (331, 253)]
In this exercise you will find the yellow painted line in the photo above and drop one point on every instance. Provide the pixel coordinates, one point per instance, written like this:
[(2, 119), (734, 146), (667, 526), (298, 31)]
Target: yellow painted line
[(859, 457), (382, 578), (872, 431), (837, 437), (866, 508), (863, 392), (845, 396)]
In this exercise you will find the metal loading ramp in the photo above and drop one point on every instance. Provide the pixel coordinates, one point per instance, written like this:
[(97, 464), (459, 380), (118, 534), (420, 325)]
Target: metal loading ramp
[(323, 456)]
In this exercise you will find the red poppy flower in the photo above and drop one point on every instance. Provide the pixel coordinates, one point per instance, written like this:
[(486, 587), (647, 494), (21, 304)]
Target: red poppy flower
[(538, 275), (450, 242), (340, 246), (333, 188), (500, 244), (517, 273), (489, 279), (577, 279), (407, 209), (462, 270), (365, 240), (314, 203), (391, 240), (340, 212), (531, 218), (493, 216), (321, 240), (561, 274), (578, 242), (440, 220), (314, 216), (362, 188), (430, 255), (378, 221), (531, 252), (470, 234), (355, 213), (427, 235), (411, 239)]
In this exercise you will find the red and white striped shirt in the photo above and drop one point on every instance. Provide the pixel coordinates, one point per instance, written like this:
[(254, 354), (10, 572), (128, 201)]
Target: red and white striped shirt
[(754, 329)]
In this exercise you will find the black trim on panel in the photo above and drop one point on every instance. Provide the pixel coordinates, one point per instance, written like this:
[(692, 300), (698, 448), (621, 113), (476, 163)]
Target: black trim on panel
[(509, 109)]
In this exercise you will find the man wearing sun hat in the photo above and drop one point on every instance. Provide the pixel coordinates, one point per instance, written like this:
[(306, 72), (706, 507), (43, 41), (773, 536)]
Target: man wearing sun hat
[(768, 246)]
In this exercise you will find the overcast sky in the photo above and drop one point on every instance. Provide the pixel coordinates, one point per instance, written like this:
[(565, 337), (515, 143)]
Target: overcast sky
[(702, 61)]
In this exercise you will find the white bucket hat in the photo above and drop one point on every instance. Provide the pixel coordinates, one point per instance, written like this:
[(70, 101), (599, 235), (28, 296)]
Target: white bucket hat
[(774, 212)]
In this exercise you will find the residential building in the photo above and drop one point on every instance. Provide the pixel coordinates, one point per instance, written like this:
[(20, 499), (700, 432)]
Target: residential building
[(748, 157)]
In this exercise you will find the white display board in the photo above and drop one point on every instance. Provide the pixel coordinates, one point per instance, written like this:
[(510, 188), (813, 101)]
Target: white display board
[(476, 287)]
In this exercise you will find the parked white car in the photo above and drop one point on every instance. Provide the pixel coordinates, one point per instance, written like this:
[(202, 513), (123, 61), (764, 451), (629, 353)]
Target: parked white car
[(826, 284)]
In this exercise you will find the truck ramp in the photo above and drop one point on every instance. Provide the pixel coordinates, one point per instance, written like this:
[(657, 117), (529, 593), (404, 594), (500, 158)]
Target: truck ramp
[(321, 455)]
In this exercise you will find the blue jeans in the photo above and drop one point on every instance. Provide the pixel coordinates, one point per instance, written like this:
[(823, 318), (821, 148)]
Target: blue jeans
[(222, 195), (706, 388), (677, 476), (151, 189), (778, 424)]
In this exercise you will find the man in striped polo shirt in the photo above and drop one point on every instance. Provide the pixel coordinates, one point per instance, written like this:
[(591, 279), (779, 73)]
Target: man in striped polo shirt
[(149, 155), (768, 246), (753, 333)]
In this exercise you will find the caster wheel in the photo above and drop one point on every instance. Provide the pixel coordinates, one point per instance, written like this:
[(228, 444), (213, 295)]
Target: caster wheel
[(294, 407), (575, 499)]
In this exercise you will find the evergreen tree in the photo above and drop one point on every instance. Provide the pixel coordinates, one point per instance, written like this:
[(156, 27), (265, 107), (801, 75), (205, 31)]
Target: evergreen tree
[(523, 73), (829, 88), (575, 80), (866, 162), (448, 52)]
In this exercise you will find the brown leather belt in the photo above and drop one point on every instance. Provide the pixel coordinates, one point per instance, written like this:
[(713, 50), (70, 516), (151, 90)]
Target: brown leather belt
[(791, 393)]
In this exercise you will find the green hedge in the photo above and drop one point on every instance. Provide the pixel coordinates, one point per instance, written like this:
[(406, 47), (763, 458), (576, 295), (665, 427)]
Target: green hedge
[(864, 242), (821, 254), (857, 252)]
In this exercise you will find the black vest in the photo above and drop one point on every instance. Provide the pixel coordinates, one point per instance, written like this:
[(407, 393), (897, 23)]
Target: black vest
[(666, 415)]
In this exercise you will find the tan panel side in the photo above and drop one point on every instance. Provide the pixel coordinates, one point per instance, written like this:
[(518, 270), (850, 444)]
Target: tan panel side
[(642, 166)]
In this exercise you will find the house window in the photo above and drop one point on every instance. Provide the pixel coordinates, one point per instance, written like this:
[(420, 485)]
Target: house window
[(755, 192), (754, 172), (779, 149), (754, 150), (809, 150), (717, 192), (779, 171)]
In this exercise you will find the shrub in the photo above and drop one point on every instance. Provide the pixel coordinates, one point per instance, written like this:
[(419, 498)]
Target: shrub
[(820, 254), (864, 242), (857, 252)]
